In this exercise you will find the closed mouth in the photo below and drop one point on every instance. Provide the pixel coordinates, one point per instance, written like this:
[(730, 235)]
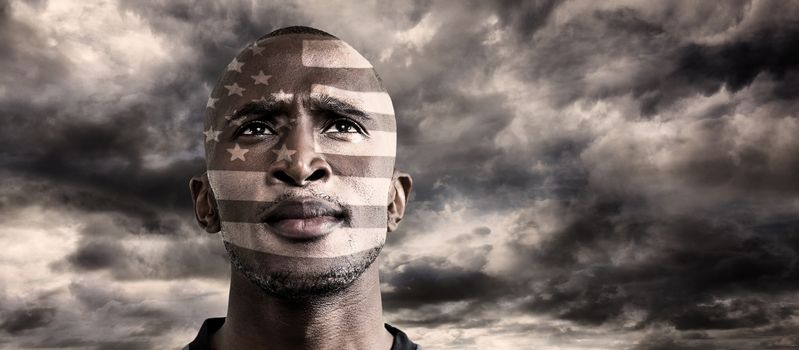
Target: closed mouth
[(304, 218)]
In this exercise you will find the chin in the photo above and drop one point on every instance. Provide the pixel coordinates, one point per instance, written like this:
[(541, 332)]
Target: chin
[(300, 277)]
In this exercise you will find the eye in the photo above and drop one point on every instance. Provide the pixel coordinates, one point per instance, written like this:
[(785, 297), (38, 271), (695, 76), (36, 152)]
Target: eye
[(255, 128), (343, 126)]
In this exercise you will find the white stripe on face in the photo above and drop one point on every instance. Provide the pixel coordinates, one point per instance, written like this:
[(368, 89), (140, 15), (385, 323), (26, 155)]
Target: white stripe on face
[(251, 186), (379, 144), (331, 54), (370, 102), (343, 241)]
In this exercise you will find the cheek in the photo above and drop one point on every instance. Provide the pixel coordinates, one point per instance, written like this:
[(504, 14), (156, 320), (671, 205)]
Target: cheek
[(362, 170), (379, 144), (366, 158), (243, 156)]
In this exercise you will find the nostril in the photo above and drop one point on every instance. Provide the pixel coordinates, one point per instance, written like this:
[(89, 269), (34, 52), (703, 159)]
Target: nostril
[(317, 175), (283, 177)]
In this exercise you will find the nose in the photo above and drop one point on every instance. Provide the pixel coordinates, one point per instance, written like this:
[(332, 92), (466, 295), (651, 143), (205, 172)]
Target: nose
[(296, 161)]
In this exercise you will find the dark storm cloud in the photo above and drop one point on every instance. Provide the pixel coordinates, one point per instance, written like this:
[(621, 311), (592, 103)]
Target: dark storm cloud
[(758, 167), (618, 256), (96, 255), (668, 68), (140, 320), (52, 141), (704, 69), (525, 17), (21, 320), (737, 64), (690, 262), (737, 252), (103, 248), (97, 165), (433, 99), (768, 338), (17, 49), (55, 342), (747, 314), (202, 23), (431, 281)]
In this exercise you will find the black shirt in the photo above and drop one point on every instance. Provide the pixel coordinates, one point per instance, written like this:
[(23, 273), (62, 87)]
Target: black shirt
[(211, 325)]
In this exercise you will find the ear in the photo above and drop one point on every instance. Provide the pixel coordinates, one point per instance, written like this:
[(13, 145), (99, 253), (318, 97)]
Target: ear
[(205, 210), (401, 184)]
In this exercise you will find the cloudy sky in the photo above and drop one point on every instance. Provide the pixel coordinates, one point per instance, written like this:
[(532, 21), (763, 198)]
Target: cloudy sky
[(614, 175)]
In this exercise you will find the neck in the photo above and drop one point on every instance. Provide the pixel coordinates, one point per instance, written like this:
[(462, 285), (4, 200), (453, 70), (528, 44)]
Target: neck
[(351, 319)]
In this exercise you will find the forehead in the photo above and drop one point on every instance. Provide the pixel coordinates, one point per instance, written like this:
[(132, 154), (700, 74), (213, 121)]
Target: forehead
[(293, 64)]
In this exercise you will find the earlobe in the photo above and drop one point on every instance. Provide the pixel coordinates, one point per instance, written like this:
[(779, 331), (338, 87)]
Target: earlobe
[(401, 185), (205, 209)]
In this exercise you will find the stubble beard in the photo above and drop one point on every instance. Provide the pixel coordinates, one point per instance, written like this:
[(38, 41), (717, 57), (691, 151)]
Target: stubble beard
[(300, 282)]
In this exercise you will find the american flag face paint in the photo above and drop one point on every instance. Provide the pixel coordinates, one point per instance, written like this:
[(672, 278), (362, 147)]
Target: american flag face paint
[(301, 119)]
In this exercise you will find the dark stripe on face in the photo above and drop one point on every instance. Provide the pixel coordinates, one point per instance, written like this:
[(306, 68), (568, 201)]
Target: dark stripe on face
[(341, 165), (270, 263), (358, 216), (251, 185)]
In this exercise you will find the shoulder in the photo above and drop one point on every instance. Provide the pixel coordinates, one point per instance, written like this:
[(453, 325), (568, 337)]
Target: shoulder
[(401, 341), (203, 339)]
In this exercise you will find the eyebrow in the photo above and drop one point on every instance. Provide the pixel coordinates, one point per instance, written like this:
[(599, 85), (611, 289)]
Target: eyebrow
[(264, 106), (271, 106), (335, 105)]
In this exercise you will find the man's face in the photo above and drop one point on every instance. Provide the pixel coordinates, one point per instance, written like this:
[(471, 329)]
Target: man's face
[(300, 146)]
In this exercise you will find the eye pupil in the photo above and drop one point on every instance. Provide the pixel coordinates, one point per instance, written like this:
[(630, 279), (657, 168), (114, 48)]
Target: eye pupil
[(343, 127), (256, 129)]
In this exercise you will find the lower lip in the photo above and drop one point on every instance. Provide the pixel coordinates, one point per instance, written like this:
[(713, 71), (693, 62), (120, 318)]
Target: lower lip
[(306, 228)]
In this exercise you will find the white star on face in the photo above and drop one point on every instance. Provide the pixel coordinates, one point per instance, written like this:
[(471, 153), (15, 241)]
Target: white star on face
[(284, 153), (234, 89), (211, 134), (235, 65), (261, 78), (211, 102), (237, 122), (237, 153), (282, 96), (256, 50)]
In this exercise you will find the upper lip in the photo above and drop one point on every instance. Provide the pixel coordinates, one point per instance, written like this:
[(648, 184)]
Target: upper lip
[(302, 208)]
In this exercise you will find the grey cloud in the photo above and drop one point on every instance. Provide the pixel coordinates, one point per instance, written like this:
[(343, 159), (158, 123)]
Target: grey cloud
[(737, 314), (525, 17), (181, 258), (430, 281), (705, 69), (51, 342), (22, 320), (24, 65), (673, 245), (97, 255), (690, 261)]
